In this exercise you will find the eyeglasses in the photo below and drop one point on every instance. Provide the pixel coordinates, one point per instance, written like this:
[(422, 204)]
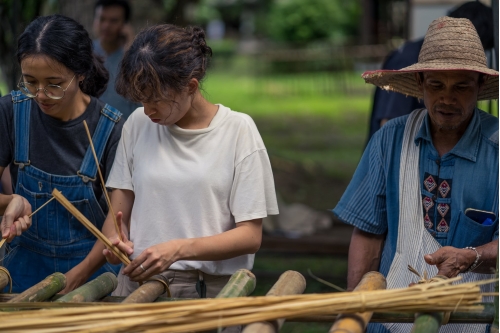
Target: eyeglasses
[(51, 90)]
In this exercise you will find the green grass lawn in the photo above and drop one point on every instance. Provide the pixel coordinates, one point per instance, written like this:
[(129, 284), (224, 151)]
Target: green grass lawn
[(314, 127)]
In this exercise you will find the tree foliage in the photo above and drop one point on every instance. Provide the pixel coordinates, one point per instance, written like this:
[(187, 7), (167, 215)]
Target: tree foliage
[(302, 21)]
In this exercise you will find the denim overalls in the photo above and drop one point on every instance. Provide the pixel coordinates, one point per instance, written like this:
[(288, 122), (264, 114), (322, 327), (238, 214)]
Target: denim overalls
[(56, 241)]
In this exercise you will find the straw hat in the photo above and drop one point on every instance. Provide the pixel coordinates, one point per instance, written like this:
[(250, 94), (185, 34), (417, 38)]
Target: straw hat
[(450, 44)]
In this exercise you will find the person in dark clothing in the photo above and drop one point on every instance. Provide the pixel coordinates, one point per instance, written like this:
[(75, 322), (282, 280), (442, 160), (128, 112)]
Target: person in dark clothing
[(45, 145)]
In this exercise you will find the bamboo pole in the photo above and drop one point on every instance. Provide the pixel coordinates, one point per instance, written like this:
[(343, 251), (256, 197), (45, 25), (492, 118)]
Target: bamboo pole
[(93, 290), (43, 290), (429, 322), (483, 316), (241, 283), (149, 291), (289, 283), (80, 217), (357, 322), (5, 278), (105, 192)]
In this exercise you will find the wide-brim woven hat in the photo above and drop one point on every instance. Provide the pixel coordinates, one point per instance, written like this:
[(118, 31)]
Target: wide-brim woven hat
[(450, 44)]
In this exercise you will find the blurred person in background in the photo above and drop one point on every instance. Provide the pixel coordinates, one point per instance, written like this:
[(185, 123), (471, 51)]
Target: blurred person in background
[(111, 25), (388, 104)]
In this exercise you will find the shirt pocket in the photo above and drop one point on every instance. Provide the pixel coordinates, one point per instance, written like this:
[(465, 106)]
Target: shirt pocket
[(472, 233)]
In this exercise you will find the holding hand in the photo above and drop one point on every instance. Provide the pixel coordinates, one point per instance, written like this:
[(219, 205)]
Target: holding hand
[(15, 219), (124, 245), (451, 261), (154, 260)]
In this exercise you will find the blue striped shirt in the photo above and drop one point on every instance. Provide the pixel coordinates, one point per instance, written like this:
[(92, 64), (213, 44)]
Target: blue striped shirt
[(465, 177)]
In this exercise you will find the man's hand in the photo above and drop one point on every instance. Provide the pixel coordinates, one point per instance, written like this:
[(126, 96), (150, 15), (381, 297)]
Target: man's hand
[(15, 219), (451, 261)]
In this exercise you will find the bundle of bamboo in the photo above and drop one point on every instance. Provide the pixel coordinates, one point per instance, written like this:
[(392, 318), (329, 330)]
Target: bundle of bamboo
[(198, 315)]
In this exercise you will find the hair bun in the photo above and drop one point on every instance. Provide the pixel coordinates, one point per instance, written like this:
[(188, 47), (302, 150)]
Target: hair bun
[(199, 40)]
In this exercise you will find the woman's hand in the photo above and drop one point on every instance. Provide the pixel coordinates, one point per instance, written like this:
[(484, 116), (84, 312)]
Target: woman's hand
[(153, 260), (15, 219), (75, 277), (123, 245)]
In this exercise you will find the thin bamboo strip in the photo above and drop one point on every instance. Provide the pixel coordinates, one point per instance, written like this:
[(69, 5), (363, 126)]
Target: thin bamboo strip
[(106, 195), (195, 315), (38, 209), (29, 216), (80, 217)]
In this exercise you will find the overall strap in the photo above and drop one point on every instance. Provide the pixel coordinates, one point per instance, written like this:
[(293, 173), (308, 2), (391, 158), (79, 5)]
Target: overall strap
[(22, 107), (109, 117)]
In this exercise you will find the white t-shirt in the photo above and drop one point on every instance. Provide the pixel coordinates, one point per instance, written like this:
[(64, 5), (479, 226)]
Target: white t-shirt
[(194, 183)]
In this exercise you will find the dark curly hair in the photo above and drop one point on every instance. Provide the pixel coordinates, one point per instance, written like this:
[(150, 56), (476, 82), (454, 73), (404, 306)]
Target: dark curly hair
[(67, 42), (162, 58)]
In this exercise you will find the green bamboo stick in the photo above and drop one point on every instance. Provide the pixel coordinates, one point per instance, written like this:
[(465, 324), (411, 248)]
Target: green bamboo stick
[(241, 283), (43, 290), (93, 290)]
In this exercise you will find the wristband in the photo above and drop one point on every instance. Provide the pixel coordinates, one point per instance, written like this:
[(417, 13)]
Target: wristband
[(476, 262)]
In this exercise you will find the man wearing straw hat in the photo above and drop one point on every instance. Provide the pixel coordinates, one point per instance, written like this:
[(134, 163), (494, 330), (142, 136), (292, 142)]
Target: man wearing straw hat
[(425, 192)]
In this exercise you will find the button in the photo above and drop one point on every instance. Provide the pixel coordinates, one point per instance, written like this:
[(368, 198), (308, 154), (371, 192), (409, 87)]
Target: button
[(434, 197), (438, 162)]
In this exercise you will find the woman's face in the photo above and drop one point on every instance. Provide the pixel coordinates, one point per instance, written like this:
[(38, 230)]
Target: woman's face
[(168, 112), (40, 71)]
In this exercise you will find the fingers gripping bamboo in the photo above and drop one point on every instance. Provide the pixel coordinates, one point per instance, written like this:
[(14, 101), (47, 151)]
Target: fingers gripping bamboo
[(102, 181), (80, 217), (29, 216)]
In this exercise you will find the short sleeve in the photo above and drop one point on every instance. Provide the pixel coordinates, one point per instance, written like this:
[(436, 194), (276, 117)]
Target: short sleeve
[(120, 176), (253, 195), (363, 204)]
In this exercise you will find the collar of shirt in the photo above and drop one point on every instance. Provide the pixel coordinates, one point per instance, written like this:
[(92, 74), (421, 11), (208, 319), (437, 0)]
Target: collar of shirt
[(468, 145)]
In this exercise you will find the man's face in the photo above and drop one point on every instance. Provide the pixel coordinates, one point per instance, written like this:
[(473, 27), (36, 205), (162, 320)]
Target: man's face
[(450, 97), (108, 22)]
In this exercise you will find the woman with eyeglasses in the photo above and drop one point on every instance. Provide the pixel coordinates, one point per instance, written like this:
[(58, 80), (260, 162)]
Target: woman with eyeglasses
[(43, 139), (191, 179)]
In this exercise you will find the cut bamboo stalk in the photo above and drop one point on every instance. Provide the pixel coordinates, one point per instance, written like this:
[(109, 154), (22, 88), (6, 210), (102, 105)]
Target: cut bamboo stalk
[(289, 283), (93, 290), (357, 322), (80, 217), (105, 192), (5, 278), (241, 283), (43, 290), (149, 291), (429, 322)]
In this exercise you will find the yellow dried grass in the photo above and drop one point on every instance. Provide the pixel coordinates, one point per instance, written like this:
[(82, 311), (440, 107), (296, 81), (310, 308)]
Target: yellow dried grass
[(205, 314)]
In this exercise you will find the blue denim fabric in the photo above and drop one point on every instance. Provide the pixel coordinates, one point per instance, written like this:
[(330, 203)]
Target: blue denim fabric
[(371, 201), (56, 241)]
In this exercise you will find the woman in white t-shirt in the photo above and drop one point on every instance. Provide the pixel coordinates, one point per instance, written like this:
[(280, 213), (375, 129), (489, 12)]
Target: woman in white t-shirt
[(192, 180)]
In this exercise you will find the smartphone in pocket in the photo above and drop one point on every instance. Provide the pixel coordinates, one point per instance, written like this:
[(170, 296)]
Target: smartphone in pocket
[(480, 216)]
